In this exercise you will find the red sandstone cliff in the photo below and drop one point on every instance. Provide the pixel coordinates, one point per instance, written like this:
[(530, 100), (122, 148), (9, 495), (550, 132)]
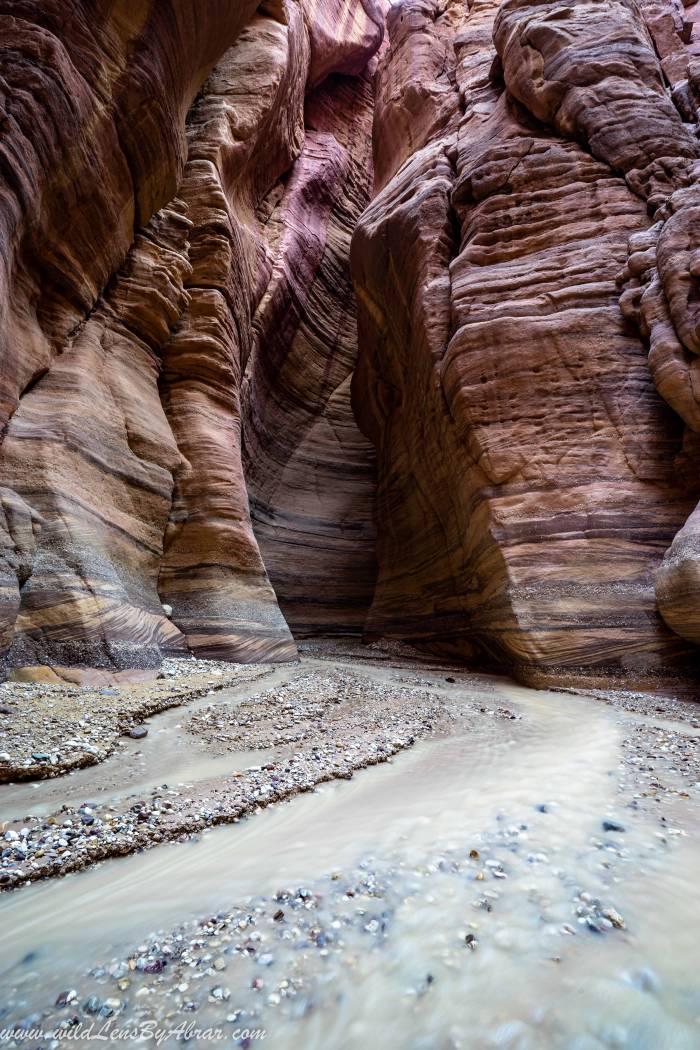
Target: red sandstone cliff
[(515, 475), (531, 478), (163, 253)]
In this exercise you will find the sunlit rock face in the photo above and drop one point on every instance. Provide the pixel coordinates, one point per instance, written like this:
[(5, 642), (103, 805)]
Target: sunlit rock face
[(531, 477), (346, 316)]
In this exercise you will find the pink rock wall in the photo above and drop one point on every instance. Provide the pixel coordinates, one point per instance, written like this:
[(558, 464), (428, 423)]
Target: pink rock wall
[(135, 257), (306, 328), (311, 480), (530, 477)]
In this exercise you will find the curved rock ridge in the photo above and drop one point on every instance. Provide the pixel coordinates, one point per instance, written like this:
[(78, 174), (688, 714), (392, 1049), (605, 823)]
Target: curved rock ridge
[(529, 476), (93, 106), (311, 480), (90, 452), (245, 132), (134, 258)]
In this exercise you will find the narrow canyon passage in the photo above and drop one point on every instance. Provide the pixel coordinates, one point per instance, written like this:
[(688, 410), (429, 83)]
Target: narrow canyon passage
[(459, 896), (349, 524), (344, 317)]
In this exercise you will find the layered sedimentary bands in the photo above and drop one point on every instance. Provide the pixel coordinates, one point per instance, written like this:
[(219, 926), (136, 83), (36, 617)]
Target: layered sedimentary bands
[(344, 316), (176, 242), (531, 475)]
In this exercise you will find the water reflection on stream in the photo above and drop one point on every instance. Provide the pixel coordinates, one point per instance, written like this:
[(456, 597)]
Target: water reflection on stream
[(529, 796)]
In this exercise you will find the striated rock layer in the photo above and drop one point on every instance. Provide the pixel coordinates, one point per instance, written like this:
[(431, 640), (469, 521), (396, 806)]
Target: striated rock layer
[(530, 476), (134, 259), (311, 480), (308, 329)]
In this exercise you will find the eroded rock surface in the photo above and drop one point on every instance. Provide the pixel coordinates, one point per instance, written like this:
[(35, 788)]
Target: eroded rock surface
[(311, 480), (136, 256), (308, 327), (530, 477)]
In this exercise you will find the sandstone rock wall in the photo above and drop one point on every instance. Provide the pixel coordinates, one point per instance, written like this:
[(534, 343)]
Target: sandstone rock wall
[(530, 477), (305, 327), (135, 256), (311, 480)]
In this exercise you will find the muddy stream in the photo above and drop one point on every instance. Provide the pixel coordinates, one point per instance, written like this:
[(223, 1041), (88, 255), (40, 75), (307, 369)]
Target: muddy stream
[(460, 891)]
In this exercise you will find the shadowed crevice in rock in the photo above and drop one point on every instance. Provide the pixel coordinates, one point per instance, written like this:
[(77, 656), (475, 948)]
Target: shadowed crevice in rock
[(304, 331), (310, 472)]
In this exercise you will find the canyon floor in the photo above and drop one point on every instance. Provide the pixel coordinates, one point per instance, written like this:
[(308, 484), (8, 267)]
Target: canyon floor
[(363, 845)]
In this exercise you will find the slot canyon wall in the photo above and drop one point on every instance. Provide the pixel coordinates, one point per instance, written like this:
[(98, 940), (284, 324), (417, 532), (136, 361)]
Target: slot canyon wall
[(527, 370), (180, 184), (342, 316)]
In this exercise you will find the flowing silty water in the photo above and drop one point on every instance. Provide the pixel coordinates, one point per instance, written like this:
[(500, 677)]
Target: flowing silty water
[(141, 764), (459, 896)]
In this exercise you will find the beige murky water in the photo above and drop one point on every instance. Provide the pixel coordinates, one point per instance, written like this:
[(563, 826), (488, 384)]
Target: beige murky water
[(529, 795), (139, 765)]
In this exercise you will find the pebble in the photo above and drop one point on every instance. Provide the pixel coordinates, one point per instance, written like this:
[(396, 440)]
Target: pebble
[(612, 825), (67, 997), (138, 732), (614, 917)]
